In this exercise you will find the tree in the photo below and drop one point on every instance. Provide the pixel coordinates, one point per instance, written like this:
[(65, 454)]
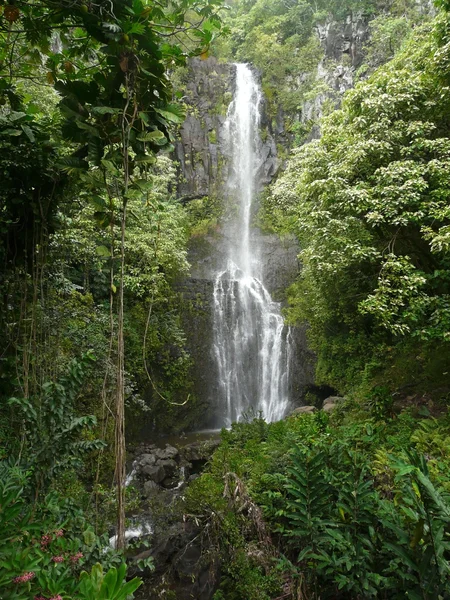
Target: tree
[(108, 62), (369, 202)]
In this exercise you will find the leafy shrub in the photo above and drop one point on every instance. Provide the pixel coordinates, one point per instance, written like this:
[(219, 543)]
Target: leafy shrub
[(348, 506), (52, 432), (44, 547)]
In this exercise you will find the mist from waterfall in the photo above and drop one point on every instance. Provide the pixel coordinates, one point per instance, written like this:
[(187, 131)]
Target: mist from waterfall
[(251, 342)]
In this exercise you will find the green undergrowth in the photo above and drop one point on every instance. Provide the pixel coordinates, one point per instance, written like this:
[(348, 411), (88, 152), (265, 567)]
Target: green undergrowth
[(49, 551), (353, 505)]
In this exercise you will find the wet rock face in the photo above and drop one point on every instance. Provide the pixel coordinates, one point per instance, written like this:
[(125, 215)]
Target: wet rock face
[(343, 44), (345, 38), (179, 566), (280, 264), (208, 92), (156, 470), (202, 149)]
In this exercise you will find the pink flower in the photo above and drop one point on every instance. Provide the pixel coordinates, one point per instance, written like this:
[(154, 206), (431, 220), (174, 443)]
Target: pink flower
[(39, 598), (58, 597), (59, 533), (58, 559), (45, 540), (76, 557), (24, 578)]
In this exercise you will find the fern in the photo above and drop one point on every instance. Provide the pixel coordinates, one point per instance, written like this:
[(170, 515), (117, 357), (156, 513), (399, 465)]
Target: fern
[(308, 499)]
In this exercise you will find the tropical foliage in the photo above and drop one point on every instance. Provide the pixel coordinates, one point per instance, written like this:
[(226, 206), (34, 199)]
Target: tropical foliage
[(368, 202), (347, 507), (93, 239), (90, 231)]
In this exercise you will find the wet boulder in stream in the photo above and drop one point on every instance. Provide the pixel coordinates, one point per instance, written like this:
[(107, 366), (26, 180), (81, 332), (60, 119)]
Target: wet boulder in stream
[(155, 473)]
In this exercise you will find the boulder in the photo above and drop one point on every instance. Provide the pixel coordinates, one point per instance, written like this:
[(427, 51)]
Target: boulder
[(329, 407), (147, 459), (167, 453), (155, 473), (170, 483), (170, 466), (333, 400), (150, 489), (304, 410), (199, 451)]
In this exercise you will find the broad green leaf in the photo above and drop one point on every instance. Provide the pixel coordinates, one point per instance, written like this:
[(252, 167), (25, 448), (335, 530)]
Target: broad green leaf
[(28, 132), (172, 114), (103, 251), (152, 136), (104, 110)]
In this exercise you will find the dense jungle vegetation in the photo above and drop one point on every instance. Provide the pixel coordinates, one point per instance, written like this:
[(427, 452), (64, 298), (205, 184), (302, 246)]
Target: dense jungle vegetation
[(351, 505), (91, 240)]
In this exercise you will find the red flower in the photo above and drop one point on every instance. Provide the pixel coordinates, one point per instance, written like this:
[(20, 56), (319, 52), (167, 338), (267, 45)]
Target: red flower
[(45, 540), (59, 533), (76, 557), (24, 578), (58, 559)]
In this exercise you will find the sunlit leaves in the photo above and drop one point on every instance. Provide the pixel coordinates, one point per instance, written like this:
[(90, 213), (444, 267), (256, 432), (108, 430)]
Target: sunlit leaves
[(370, 202)]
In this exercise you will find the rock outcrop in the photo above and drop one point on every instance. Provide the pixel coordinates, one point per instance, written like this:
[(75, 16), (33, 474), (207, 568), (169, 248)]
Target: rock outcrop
[(329, 404), (304, 410), (181, 566), (157, 469)]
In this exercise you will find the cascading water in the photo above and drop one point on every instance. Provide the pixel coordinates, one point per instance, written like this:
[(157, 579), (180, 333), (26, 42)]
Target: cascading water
[(251, 342)]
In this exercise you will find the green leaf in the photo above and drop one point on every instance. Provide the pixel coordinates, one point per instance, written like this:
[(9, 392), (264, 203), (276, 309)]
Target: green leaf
[(103, 251), (172, 113), (104, 110), (129, 588), (110, 166), (152, 136), (12, 132), (89, 128), (145, 158), (89, 538), (28, 133), (15, 116)]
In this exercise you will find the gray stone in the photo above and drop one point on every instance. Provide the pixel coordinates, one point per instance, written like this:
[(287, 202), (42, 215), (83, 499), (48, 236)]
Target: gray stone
[(147, 459), (169, 452), (199, 450), (154, 473), (304, 410), (151, 488), (333, 400), (169, 466), (170, 483)]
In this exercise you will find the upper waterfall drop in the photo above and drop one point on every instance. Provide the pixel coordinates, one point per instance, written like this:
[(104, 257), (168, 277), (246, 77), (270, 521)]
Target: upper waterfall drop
[(251, 341)]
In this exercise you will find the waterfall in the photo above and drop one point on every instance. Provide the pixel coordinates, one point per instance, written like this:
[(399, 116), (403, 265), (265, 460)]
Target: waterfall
[(251, 342)]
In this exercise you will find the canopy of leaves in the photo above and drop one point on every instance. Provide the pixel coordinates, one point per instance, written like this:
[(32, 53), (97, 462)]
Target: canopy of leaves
[(369, 202)]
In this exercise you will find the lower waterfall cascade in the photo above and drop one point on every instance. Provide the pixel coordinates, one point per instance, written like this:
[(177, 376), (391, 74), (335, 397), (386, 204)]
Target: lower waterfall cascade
[(252, 344)]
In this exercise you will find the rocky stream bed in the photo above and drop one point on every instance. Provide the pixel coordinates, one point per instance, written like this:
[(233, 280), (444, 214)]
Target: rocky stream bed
[(159, 530)]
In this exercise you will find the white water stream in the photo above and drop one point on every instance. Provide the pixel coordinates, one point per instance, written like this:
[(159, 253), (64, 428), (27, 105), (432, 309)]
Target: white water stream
[(251, 342)]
